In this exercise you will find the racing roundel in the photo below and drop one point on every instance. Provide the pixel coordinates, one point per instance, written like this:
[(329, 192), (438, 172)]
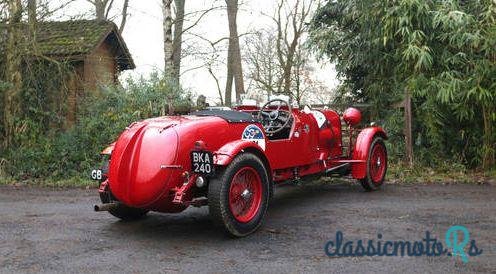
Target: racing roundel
[(255, 134)]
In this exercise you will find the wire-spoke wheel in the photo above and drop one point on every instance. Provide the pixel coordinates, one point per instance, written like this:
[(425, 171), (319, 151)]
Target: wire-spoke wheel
[(238, 196), (376, 165), (245, 194)]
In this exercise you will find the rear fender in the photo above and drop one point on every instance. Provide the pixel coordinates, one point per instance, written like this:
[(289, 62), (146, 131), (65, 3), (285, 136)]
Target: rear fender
[(361, 150)]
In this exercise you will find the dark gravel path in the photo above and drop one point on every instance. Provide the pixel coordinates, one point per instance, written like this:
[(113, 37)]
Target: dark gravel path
[(44, 230)]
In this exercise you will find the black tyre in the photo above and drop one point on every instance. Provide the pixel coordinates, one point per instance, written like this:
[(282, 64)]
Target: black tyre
[(376, 165), (122, 211), (239, 196)]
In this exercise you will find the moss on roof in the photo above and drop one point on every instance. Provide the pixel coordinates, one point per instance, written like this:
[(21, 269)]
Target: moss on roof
[(77, 38), (71, 37)]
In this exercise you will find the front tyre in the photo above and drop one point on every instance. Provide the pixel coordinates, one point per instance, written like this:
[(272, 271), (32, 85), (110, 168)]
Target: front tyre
[(122, 211), (238, 197), (376, 165)]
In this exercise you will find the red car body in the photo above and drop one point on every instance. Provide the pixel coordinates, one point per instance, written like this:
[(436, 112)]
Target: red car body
[(151, 165)]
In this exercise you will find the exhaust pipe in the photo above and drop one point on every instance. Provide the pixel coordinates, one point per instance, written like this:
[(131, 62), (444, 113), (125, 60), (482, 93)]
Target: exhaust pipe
[(105, 207)]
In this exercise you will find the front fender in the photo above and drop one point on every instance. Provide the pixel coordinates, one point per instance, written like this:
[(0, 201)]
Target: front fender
[(361, 150), (226, 153)]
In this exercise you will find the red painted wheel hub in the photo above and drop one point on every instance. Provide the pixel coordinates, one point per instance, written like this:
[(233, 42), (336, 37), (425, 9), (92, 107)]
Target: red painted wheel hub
[(245, 194), (378, 162)]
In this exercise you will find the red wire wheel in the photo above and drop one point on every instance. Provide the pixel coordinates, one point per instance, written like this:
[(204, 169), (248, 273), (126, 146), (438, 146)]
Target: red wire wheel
[(376, 165), (245, 194), (238, 196)]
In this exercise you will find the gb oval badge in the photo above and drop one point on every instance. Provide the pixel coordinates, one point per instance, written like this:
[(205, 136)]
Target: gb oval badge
[(255, 134)]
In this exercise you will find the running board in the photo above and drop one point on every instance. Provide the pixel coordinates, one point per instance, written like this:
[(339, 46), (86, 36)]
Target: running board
[(336, 169)]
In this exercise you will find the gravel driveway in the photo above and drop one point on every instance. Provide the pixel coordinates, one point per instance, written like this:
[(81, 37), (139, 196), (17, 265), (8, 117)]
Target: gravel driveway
[(50, 230)]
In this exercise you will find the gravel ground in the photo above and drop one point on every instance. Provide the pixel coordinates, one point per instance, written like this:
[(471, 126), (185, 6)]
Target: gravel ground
[(56, 231)]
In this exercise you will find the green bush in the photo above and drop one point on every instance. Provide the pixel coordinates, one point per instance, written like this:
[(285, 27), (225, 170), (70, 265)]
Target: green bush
[(441, 52), (61, 154)]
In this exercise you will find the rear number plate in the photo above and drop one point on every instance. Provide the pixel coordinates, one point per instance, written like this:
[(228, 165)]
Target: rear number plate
[(202, 162)]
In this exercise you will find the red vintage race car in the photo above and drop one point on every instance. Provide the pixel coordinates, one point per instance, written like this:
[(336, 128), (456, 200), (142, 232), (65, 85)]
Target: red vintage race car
[(231, 160)]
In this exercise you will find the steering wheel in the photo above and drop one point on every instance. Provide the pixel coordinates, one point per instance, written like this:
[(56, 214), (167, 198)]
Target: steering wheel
[(275, 120)]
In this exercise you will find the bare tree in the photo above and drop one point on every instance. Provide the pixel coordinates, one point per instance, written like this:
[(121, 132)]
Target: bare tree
[(276, 58), (167, 29), (32, 23), (230, 77), (300, 75), (177, 41), (320, 93), (216, 79), (103, 8), (266, 73), (168, 47), (290, 28), (211, 59), (123, 16), (32, 12), (174, 20), (306, 89), (44, 10), (261, 58), (234, 66)]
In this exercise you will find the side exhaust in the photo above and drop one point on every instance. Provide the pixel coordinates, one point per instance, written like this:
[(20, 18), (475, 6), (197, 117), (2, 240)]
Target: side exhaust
[(105, 207)]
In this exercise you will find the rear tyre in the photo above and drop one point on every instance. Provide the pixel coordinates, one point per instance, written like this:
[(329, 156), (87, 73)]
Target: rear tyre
[(376, 165), (239, 196), (122, 211)]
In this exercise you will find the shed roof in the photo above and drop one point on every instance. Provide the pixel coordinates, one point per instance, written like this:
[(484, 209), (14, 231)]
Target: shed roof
[(78, 38)]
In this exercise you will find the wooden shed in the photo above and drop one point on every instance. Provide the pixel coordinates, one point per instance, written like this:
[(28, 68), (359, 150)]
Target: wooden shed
[(95, 49)]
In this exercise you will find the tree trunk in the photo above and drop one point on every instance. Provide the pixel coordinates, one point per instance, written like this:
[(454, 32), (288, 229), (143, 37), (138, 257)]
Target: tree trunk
[(291, 23), (124, 16), (167, 29), (288, 66), (103, 8), (12, 70), (230, 78), (488, 143), (32, 13), (100, 10), (408, 129), (297, 80), (235, 61), (178, 39), (32, 5)]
